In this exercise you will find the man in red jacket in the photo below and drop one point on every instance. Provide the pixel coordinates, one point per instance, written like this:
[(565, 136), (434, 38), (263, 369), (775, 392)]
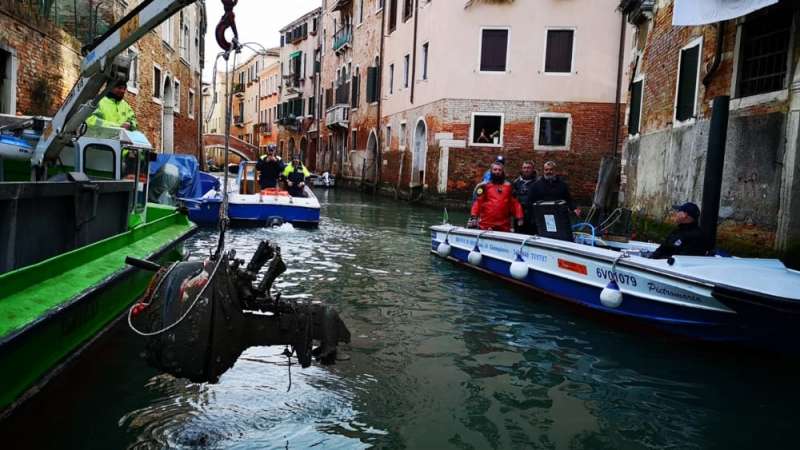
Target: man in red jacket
[(495, 203)]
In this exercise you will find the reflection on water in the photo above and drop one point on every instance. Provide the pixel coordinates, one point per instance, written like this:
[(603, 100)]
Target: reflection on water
[(441, 358)]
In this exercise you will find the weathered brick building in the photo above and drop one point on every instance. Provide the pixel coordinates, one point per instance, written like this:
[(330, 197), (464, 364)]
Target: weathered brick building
[(40, 58), (270, 80), (460, 83), (350, 73), (676, 73)]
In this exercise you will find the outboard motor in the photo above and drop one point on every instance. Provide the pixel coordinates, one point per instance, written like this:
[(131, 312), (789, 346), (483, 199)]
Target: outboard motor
[(198, 317)]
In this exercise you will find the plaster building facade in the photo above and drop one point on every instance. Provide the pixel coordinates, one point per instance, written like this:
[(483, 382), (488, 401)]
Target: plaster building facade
[(463, 83), (40, 58), (676, 74), (298, 114), (270, 79), (350, 51)]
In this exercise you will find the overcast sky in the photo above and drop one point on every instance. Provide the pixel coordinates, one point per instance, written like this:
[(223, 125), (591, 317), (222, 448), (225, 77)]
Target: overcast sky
[(256, 20)]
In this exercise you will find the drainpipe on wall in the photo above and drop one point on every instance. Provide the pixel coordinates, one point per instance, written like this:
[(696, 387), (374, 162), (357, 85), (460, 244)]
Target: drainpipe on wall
[(618, 98), (201, 117), (414, 50), (379, 82)]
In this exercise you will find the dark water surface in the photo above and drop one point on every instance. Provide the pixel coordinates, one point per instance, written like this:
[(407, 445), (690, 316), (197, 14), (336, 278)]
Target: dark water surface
[(442, 357)]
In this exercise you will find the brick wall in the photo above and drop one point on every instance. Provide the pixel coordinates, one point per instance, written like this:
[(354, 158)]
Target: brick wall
[(49, 64), (592, 137)]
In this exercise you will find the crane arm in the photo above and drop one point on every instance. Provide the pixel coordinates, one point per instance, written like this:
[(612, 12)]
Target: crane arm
[(104, 63)]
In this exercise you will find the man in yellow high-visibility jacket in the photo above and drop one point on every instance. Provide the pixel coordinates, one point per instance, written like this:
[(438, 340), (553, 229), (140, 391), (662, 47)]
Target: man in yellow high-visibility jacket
[(295, 175), (114, 111)]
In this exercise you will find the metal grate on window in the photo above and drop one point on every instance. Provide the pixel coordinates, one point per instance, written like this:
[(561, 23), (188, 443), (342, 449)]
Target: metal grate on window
[(765, 47)]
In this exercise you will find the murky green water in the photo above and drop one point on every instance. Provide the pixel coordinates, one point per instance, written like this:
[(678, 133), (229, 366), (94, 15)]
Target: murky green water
[(441, 358)]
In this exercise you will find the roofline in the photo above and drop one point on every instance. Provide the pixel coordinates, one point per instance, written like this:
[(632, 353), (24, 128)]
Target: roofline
[(315, 12)]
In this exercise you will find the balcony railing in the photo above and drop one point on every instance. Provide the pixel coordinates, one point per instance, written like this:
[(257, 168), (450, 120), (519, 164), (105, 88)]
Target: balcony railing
[(338, 116), (238, 89), (343, 38)]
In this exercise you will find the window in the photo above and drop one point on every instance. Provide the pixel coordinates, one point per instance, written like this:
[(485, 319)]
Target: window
[(764, 58), (356, 90), (486, 129), (166, 31), (425, 61), (391, 78), (635, 115), (99, 162), (133, 70), (388, 137), (559, 51), (408, 9), (360, 11), (353, 140), (554, 131), (494, 50), (373, 89), (156, 82), (688, 75), (406, 65), (177, 96), (402, 134), (185, 39), (190, 106), (8, 81), (392, 15)]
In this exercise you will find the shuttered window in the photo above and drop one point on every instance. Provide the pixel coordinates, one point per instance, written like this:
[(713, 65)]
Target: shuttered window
[(636, 107), (494, 50), (687, 83), (392, 15), (372, 84), (559, 51)]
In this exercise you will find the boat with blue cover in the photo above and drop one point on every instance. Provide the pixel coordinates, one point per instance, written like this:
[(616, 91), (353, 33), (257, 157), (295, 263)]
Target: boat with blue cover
[(712, 298), (249, 205)]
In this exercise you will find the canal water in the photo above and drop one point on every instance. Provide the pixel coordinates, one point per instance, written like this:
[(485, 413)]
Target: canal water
[(442, 357)]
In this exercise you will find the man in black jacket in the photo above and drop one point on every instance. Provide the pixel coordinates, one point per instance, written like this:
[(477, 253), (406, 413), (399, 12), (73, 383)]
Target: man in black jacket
[(269, 169), (688, 239), (522, 190), (550, 188)]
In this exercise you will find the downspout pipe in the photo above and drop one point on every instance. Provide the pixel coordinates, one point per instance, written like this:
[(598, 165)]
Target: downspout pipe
[(201, 117), (414, 50), (618, 97), (379, 82)]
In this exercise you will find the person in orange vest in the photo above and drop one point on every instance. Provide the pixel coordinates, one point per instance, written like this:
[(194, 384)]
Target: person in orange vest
[(495, 204)]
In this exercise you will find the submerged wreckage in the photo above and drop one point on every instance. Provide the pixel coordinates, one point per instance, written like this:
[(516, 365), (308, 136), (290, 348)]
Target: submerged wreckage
[(198, 317)]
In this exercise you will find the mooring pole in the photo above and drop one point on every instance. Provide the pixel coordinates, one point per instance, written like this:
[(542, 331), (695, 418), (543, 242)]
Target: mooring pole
[(715, 161)]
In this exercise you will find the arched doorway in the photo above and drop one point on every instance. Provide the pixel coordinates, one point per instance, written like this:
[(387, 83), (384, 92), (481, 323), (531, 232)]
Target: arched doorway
[(371, 165), (291, 148), (420, 155), (168, 116), (304, 150)]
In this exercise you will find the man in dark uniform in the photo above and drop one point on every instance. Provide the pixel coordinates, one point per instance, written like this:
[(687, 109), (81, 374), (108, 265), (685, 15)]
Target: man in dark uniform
[(550, 187), (688, 239), (269, 169), (522, 190)]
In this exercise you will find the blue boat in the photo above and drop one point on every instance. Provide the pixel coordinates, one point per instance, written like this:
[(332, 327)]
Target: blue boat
[(723, 299), (250, 206)]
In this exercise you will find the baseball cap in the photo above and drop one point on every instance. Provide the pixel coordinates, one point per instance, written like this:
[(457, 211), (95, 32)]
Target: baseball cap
[(690, 209), (500, 159)]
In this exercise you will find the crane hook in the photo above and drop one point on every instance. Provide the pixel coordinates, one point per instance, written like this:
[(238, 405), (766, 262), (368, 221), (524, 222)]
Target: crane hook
[(228, 21)]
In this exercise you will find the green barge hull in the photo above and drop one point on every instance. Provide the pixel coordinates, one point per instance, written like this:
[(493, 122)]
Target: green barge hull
[(52, 310)]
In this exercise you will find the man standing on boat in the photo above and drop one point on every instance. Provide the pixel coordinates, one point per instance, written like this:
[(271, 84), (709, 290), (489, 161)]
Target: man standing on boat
[(550, 188), (522, 191), (269, 169), (296, 174), (495, 204), (114, 111), (688, 239)]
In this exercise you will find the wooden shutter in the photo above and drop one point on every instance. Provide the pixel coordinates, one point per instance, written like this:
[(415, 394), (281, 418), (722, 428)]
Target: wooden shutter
[(687, 83), (636, 107), (494, 50), (372, 84), (559, 51)]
